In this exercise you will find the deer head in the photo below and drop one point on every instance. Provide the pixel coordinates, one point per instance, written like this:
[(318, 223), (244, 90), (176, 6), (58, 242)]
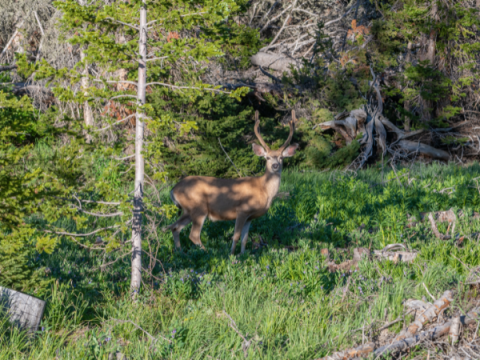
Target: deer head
[(275, 157)]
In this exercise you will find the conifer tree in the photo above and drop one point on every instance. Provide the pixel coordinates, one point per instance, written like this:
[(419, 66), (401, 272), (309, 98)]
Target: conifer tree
[(151, 44)]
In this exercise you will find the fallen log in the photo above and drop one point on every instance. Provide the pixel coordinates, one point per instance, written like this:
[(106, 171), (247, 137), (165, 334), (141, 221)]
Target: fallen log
[(418, 147), (22, 310), (277, 62), (404, 337), (7, 68), (431, 334), (358, 253)]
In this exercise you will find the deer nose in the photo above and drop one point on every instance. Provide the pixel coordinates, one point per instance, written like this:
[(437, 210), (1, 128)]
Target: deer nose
[(275, 166)]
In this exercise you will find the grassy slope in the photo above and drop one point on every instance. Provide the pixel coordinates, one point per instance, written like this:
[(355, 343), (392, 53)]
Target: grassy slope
[(284, 301)]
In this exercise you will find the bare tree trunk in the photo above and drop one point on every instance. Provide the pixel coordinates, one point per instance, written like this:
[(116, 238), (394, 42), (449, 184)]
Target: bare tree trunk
[(433, 35), (406, 104), (87, 111), (139, 161), (430, 56)]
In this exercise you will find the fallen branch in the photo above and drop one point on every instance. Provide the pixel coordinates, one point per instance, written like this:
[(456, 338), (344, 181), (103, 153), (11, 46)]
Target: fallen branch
[(386, 253), (431, 334), (277, 62), (150, 336), (7, 68), (427, 316), (435, 230), (418, 147)]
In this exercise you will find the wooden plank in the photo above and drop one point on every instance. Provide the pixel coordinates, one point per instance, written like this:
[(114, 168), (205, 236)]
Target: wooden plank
[(23, 310)]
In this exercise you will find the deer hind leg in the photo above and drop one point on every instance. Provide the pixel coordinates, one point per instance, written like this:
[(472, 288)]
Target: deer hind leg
[(197, 224), (244, 235), (176, 227), (239, 225)]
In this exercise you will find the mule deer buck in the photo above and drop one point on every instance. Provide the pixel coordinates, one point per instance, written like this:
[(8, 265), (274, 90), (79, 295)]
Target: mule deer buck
[(241, 199)]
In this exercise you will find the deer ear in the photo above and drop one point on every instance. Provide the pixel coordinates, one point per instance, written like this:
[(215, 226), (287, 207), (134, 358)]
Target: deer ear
[(290, 151), (258, 150)]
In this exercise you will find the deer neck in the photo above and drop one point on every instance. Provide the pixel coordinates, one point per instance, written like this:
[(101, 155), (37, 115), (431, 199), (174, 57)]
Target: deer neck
[(272, 184)]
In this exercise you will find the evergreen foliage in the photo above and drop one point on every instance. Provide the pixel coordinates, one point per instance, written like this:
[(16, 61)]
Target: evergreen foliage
[(21, 190)]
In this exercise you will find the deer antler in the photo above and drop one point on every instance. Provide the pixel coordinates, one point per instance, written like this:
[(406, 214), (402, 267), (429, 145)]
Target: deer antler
[(257, 132), (292, 129)]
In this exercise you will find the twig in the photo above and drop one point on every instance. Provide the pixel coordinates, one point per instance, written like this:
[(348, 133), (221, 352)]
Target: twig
[(238, 171), (428, 292), (246, 343), (151, 337), (39, 23), (435, 230), (396, 175), (9, 42), (80, 235), (103, 266), (274, 78)]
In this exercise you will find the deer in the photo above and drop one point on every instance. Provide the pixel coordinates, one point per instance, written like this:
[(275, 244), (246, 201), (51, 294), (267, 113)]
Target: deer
[(241, 199)]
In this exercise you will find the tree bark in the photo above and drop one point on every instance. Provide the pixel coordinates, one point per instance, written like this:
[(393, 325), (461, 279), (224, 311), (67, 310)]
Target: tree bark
[(430, 56), (87, 110), (406, 104), (139, 161)]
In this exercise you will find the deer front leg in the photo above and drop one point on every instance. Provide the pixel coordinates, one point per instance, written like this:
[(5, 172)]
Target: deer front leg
[(239, 224), (244, 235)]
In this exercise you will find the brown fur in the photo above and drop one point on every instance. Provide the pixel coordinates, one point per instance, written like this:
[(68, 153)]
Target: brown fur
[(241, 199)]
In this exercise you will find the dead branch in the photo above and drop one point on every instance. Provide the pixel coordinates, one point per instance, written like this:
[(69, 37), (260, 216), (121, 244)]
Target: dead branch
[(276, 62), (435, 230), (7, 68), (431, 334), (150, 336), (404, 337)]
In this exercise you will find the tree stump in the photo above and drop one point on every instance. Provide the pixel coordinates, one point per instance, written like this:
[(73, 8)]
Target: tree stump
[(22, 310)]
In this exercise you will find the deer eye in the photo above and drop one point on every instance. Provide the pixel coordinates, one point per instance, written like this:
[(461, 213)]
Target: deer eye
[(280, 158), (269, 158)]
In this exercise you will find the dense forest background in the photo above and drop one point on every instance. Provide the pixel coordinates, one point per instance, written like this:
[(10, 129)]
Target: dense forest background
[(370, 80)]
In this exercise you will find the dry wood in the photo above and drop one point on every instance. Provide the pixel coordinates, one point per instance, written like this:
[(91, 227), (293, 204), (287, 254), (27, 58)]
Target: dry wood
[(440, 216), (23, 310), (278, 62), (435, 230), (431, 334), (385, 254), (404, 337), (417, 147)]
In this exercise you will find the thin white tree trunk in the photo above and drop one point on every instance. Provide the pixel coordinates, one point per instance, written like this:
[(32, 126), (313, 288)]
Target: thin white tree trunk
[(139, 162), (87, 110)]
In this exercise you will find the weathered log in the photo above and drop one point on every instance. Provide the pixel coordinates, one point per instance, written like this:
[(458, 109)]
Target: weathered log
[(431, 334), (277, 62), (396, 256), (404, 337), (359, 253), (22, 310), (412, 146), (7, 68)]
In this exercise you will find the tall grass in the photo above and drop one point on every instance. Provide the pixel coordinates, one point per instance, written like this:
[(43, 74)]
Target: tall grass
[(280, 298)]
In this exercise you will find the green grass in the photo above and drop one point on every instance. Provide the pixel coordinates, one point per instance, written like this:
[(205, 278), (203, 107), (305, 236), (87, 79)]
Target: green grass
[(284, 302)]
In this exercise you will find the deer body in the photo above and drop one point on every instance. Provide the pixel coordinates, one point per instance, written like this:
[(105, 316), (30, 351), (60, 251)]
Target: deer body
[(241, 199)]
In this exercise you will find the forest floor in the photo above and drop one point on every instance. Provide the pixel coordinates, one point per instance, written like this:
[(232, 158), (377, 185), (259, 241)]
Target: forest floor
[(279, 300)]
